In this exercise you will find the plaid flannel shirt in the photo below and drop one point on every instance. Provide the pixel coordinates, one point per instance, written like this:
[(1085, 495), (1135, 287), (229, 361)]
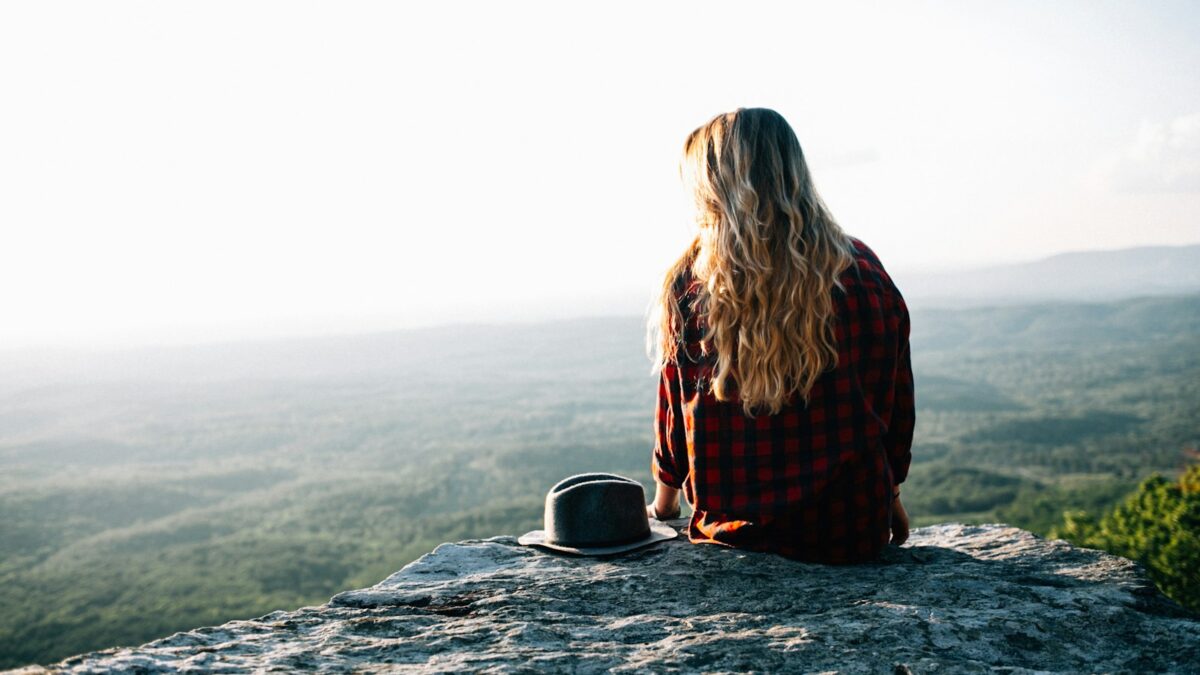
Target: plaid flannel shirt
[(810, 482)]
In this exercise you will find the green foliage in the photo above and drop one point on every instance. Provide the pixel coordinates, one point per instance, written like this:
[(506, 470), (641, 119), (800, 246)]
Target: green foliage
[(1039, 508), (1058, 430), (943, 489), (1158, 525)]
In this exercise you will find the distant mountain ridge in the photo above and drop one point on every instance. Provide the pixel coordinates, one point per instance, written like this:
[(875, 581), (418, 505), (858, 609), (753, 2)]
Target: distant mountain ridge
[(1078, 275)]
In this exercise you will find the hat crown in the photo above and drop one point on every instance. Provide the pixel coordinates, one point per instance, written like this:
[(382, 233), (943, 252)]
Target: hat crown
[(596, 509)]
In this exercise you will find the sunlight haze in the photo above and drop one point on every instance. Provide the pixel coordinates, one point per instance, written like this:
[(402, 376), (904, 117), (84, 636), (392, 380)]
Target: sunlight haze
[(178, 172)]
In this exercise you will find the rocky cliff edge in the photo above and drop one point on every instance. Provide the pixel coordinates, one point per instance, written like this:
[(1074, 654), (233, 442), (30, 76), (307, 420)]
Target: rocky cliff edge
[(955, 598)]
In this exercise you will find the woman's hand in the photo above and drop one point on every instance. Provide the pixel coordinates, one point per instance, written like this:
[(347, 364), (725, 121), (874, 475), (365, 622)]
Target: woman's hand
[(650, 512), (666, 503), (899, 522)]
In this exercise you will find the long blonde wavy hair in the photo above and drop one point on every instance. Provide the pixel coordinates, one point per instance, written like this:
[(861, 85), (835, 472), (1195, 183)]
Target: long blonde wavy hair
[(767, 256)]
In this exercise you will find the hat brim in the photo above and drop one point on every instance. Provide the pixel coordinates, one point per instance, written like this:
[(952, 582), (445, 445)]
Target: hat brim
[(659, 531)]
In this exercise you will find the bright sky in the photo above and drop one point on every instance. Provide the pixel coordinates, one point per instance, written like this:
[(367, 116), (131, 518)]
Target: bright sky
[(176, 171)]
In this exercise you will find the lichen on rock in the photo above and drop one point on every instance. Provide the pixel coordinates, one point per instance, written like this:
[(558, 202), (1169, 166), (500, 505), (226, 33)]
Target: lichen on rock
[(955, 598)]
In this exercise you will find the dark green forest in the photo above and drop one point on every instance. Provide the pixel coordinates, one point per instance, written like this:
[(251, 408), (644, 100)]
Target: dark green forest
[(152, 491)]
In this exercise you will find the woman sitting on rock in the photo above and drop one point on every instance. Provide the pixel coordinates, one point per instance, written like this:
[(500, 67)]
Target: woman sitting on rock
[(785, 399)]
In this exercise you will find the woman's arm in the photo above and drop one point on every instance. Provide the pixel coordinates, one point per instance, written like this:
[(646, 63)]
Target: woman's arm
[(669, 461), (899, 435), (666, 503), (899, 521)]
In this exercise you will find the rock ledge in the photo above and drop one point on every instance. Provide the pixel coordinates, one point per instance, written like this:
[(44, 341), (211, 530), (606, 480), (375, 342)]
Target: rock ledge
[(955, 598)]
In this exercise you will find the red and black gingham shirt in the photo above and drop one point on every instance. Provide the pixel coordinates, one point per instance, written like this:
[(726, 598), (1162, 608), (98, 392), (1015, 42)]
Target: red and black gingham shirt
[(810, 482)]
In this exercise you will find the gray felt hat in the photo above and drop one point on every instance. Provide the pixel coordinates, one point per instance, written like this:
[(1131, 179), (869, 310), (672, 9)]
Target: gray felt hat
[(597, 514)]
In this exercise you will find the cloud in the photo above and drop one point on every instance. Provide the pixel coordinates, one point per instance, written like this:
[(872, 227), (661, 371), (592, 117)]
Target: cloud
[(1163, 157)]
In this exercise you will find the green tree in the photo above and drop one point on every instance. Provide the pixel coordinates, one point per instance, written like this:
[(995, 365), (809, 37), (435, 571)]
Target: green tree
[(1158, 525)]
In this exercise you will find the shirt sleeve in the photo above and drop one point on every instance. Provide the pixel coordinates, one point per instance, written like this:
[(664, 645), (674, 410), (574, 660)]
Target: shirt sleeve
[(669, 464), (900, 428)]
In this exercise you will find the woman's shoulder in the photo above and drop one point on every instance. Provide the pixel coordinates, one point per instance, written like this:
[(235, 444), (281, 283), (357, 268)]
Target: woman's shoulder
[(864, 256), (867, 271)]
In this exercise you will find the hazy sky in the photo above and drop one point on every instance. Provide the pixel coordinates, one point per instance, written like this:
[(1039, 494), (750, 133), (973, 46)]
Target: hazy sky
[(187, 171)]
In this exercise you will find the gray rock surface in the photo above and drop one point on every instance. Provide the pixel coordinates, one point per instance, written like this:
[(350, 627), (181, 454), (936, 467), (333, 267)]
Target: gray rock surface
[(955, 598)]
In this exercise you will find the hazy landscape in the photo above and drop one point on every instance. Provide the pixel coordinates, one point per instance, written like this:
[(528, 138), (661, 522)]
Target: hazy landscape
[(148, 491), (1077, 275)]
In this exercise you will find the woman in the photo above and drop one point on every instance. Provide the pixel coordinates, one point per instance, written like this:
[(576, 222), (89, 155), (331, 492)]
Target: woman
[(785, 400)]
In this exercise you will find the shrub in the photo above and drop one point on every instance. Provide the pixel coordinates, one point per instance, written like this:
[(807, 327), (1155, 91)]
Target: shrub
[(1158, 525)]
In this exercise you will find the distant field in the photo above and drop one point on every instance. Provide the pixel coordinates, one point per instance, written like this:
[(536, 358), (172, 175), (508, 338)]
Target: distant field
[(147, 492)]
